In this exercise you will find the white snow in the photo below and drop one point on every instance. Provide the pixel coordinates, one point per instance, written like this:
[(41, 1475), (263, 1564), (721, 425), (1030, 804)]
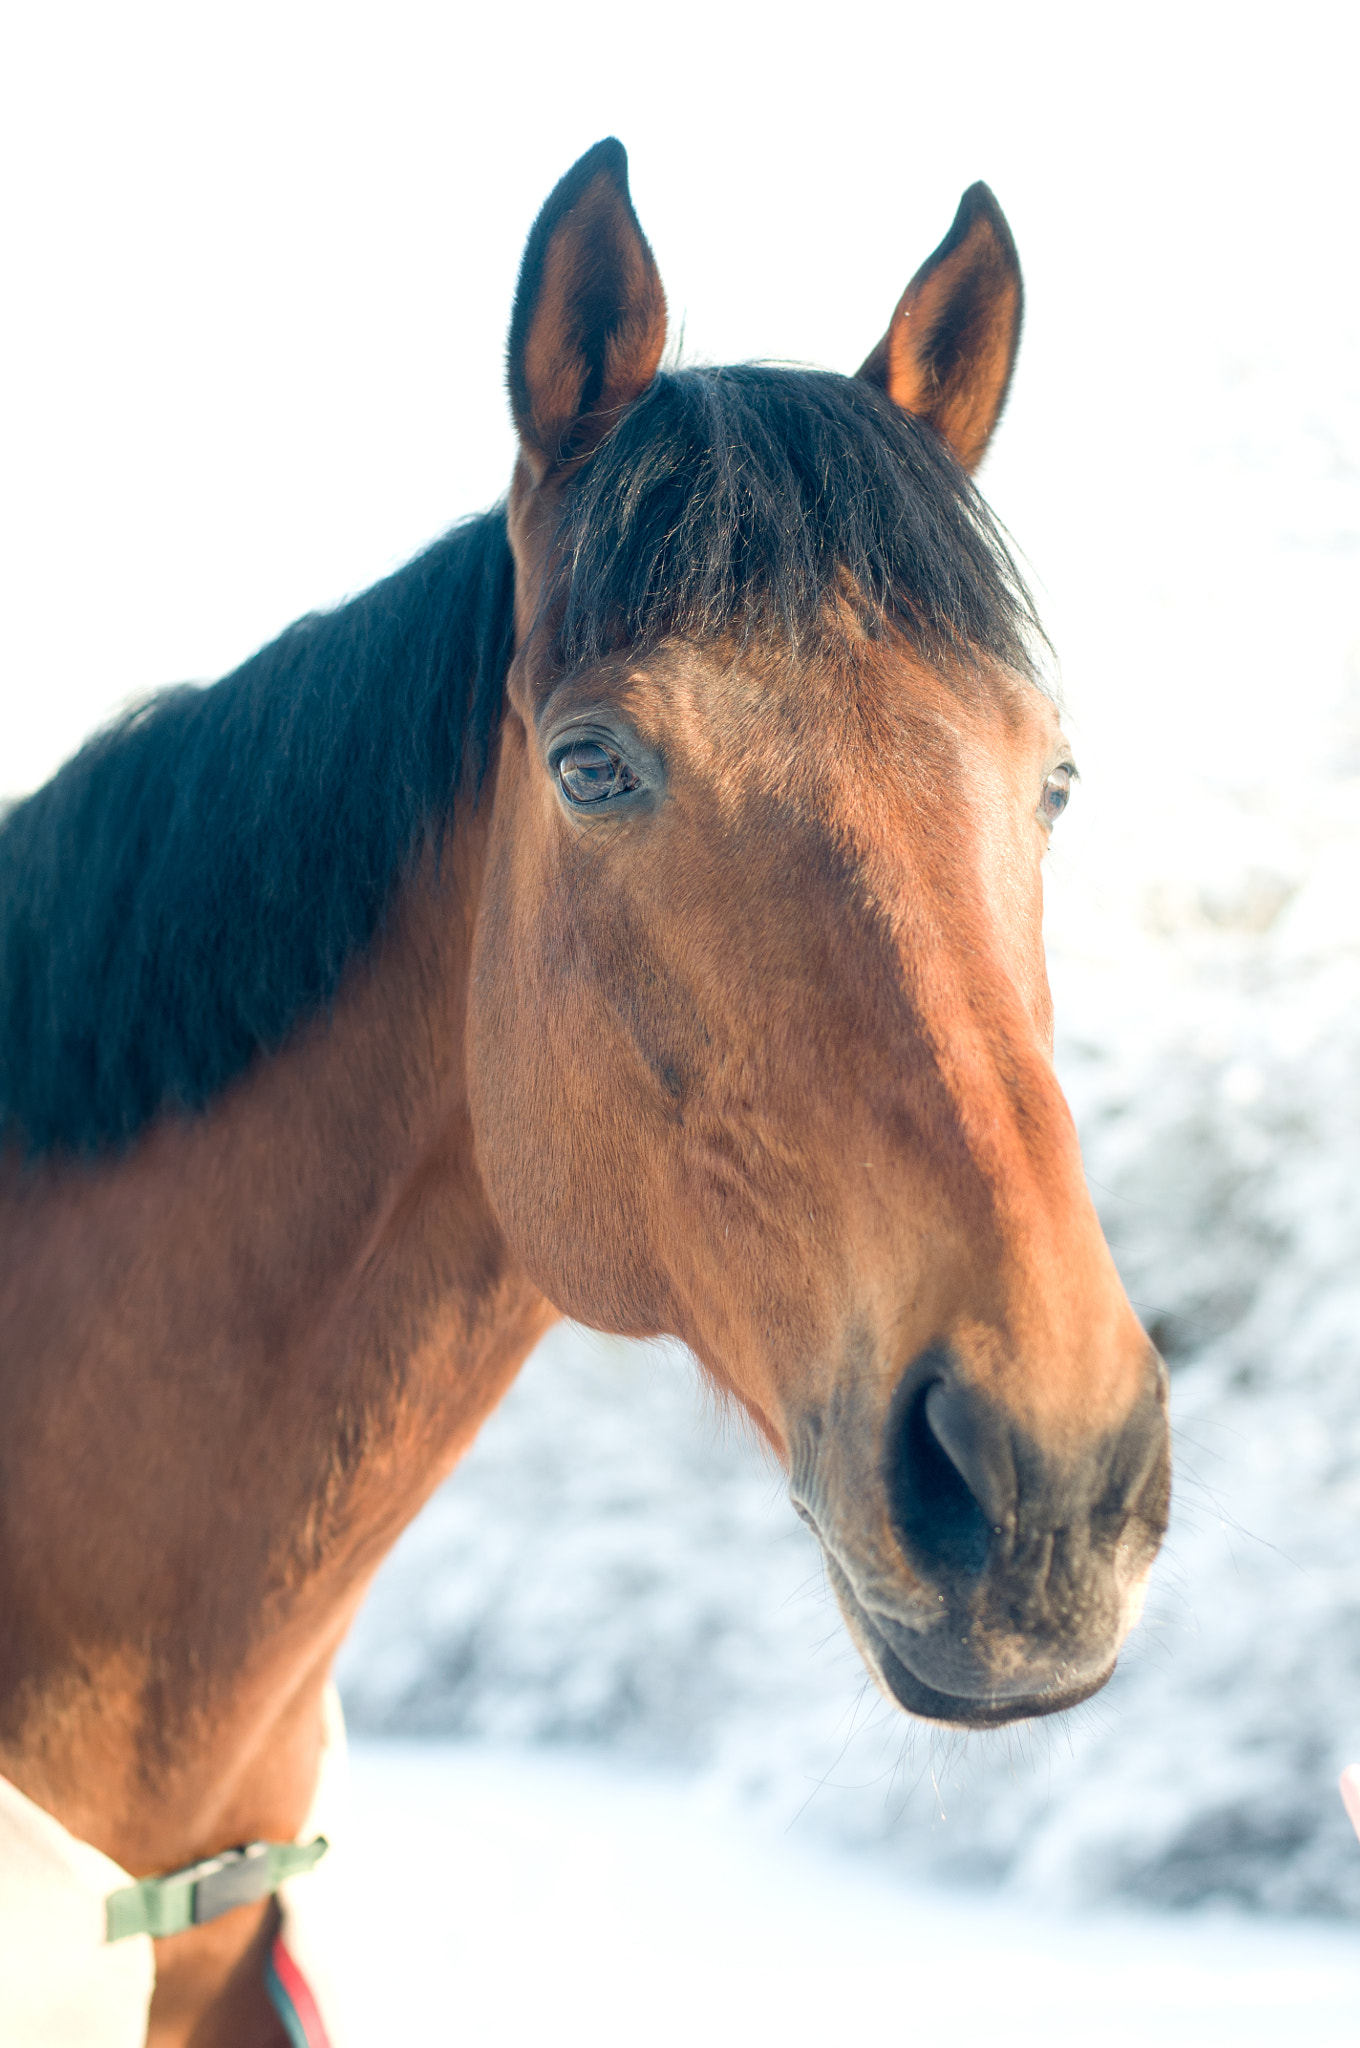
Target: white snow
[(522, 1898)]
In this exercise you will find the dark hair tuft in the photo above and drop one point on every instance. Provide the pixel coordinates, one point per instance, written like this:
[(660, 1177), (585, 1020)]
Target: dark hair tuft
[(754, 496)]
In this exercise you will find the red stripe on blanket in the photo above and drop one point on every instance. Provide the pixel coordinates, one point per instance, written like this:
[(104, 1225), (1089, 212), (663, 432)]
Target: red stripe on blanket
[(291, 1996)]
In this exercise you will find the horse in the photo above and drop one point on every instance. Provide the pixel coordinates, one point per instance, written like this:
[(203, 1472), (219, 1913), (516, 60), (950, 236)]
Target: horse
[(629, 910)]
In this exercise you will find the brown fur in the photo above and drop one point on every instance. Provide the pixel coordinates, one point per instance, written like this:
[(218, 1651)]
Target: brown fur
[(239, 1384), (765, 1064)]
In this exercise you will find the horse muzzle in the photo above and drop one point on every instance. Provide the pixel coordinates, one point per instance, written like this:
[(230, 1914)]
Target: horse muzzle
[(987, 1577)]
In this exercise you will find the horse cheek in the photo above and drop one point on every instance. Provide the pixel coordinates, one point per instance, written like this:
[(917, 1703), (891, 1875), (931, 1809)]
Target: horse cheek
[(566, 1133)]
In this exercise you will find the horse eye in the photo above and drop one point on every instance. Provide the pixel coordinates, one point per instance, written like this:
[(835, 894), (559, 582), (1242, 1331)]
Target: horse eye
[(592, 774), (1057, 791)]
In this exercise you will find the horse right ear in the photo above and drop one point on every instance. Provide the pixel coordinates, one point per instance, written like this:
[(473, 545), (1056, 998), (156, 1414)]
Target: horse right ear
[(589, 322), (951, 345)]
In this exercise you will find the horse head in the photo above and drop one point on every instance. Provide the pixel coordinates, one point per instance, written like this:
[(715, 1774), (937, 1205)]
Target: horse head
[(759, 1026)]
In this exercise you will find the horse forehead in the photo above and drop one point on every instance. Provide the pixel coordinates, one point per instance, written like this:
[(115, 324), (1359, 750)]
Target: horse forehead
[(883, 710)]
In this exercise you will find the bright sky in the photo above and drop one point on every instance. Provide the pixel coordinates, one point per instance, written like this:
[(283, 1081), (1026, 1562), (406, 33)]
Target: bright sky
[(259, 263)]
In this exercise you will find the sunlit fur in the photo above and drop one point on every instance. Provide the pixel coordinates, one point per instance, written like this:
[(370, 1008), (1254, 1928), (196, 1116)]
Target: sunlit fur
[(340, 1054)]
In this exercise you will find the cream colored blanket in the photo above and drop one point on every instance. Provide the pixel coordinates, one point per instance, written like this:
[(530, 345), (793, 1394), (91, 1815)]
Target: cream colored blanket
[(63, 1986)]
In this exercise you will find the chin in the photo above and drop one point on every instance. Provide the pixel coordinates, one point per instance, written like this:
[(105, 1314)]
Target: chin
[(998, 1708), (987, 1710)]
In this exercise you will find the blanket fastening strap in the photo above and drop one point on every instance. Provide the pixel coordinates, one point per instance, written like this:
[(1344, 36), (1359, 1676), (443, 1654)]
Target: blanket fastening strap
[(199, 1892)]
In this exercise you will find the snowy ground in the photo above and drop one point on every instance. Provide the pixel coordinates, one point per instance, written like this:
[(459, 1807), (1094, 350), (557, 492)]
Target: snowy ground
[(535, 1898)]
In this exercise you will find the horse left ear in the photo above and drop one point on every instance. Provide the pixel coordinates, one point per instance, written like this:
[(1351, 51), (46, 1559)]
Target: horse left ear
[(589, 322), (951, 345)]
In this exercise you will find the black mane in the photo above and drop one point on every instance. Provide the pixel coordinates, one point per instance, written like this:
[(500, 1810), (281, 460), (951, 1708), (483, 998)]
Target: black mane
[(190, 887), (744, 496), (192, 884)]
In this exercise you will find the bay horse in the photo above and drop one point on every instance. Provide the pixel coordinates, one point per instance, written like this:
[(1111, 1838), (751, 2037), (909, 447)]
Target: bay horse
[(629, 910)]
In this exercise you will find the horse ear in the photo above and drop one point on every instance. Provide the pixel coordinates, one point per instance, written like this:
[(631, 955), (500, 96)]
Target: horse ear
[(950, 346), (589, 322)]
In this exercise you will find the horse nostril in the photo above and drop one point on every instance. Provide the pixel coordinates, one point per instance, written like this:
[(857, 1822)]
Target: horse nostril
[(934, 1510)]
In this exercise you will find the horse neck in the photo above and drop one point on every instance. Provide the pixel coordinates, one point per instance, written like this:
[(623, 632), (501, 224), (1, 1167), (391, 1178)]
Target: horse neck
[(292, 1314)]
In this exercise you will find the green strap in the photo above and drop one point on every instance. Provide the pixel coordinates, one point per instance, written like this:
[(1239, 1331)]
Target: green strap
[(199, 1892)]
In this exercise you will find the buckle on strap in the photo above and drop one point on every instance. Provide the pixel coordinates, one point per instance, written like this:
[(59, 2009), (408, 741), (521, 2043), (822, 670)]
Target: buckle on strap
[(201, 1891)]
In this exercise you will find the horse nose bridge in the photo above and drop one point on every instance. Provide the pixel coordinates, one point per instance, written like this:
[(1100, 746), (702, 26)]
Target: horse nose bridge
[(963, 1079)]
